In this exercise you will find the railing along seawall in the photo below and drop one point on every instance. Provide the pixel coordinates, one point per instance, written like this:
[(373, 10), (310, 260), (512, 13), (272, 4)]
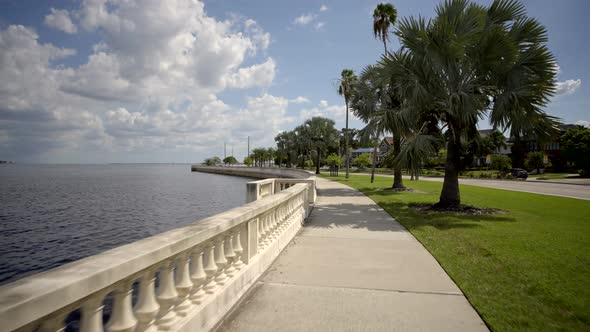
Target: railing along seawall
[(186, 279), (254, 172)]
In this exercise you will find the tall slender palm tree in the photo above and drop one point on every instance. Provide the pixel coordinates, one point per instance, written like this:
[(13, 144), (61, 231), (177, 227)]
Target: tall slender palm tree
[(365, 105), (347, 81), (384, 16), (471, 61)]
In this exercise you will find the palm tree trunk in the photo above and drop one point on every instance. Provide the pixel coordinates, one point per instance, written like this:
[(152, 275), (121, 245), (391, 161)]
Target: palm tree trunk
[(450, 196), (374, 161), (317, 164), (397, 170), (385, 46), (346, 142)]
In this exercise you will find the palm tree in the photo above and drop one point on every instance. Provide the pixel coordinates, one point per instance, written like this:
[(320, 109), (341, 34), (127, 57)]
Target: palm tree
[(384, 16), (347, 81), (365, 104), (471, 61), (322, 135), (376, 103)]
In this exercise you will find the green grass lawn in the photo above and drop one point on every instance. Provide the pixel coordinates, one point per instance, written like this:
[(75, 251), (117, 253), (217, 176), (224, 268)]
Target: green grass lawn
[(551, 176), (528, 269)]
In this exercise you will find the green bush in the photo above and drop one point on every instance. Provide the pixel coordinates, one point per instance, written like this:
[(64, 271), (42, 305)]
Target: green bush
[(501, 163), (364, 160)]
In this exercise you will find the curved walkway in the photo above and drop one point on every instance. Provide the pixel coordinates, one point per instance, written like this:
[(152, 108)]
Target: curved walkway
[(353, 268)]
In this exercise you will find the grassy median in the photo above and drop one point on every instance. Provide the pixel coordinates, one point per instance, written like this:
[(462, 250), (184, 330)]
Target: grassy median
[(526, 269)]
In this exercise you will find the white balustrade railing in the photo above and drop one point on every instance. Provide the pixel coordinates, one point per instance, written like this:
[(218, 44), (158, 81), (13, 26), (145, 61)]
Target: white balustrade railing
[(182, 280)]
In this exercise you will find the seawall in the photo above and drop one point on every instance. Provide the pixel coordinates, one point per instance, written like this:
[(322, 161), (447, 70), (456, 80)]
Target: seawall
[(254, 172)]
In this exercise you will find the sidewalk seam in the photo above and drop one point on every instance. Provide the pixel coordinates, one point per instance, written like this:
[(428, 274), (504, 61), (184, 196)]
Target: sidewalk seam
[(362, 288)]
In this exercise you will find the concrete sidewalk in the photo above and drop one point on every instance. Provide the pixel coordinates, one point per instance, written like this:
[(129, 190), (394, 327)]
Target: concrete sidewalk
[(353, 268)]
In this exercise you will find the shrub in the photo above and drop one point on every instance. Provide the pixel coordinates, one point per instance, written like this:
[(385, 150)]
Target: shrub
[(501, 163)]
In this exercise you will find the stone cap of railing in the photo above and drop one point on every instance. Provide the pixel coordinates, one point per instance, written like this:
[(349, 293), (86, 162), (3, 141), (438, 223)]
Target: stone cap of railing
[(32, 298), (255, 172)]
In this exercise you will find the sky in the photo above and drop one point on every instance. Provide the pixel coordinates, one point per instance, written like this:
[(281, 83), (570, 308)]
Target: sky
[(101, 81)]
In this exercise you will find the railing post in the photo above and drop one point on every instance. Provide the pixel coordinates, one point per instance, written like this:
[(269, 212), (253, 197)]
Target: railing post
[(91, 314), (198, 276), (239, 251), (221, 262), (252, 189), (183, 285), (122, 319), (230, 255), (167, 297), (252, 239), (147, 306), (210, 269)]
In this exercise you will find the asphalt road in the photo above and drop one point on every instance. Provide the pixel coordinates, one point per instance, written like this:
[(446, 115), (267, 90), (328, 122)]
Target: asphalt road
[(579, 189)]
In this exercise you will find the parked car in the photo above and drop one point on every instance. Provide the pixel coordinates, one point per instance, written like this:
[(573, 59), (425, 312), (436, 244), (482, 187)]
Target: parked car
[(519, 173)]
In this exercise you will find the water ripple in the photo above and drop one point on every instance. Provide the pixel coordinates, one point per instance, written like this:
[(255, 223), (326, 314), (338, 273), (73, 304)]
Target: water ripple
[(51, 215)]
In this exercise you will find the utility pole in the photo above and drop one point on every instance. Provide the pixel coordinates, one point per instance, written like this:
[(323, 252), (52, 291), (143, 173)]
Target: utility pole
[(248, 147), (232, 150), (224, 151)]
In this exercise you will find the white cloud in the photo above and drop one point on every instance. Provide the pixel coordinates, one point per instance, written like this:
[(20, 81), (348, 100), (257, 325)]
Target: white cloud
[(148, 83), (299, 100), (257, 34), (305, 19), (567, 87), (319, 25), (60, 19), (256, 75), (324, 109), (323, 8), (583, 123)]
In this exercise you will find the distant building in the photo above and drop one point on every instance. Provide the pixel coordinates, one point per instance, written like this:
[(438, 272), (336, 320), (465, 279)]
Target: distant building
[(359, 151), (486, 160), (384, 147), (551, 149)]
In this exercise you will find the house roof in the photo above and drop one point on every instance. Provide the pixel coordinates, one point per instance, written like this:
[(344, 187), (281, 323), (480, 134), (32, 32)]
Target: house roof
[(485, 132), (388, 140), (364, 150)]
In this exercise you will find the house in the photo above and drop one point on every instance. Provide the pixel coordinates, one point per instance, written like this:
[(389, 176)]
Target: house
[(386, 145), (359, 151), (552, 149), (486, 160)]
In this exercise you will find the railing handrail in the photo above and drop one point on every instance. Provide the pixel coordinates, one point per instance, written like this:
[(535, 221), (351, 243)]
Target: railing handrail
[(75, 281)]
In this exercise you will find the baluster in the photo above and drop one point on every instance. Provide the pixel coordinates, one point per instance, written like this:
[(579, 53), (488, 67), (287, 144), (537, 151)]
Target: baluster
[(198, 276), (147, 306), (183, 286), (167, 296), (54, 324), (221, 262), (260, 233), (282, 223), (239, 251), (265, 221), (230, 255), (91, 314), (122, 318), (210, 270), (271, 226)]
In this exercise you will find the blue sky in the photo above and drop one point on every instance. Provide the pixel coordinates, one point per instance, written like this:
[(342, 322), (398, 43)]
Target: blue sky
[(154, 81)]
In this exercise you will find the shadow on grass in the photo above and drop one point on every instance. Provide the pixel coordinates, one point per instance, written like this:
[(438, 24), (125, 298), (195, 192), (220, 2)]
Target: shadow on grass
[(369, 217), (414, 219)]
